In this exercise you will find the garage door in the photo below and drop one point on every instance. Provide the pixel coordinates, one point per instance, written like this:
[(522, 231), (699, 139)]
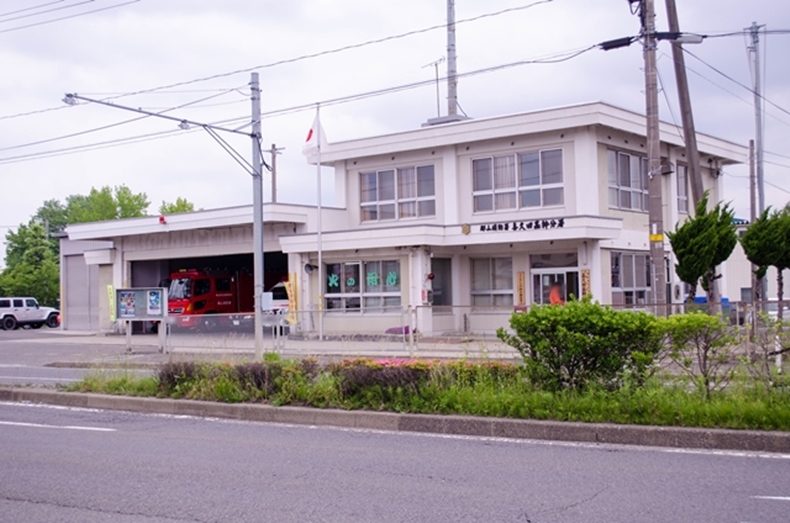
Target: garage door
[(81, 308)]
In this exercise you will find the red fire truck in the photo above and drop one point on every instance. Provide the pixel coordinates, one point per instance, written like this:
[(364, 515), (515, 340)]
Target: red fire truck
[(204, 298)]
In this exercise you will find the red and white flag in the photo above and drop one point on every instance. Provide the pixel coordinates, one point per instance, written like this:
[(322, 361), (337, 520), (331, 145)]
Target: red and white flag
[(316, 141)]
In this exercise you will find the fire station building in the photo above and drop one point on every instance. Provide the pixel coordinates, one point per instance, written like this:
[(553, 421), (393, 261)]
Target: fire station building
[(459, 223)]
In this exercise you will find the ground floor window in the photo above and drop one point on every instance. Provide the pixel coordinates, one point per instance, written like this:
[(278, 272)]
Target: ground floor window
[(363, 286), (631, 279), (492, 282)]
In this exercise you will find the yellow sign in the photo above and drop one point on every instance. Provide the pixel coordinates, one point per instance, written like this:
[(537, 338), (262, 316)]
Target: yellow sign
[(290, 289), (111, 295), (656, 237)]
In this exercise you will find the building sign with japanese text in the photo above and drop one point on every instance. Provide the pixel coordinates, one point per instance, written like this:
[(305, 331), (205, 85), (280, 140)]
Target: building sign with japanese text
[(527, 225)]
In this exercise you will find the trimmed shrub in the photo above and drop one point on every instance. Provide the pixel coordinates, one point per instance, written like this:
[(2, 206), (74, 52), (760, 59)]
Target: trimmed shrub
[(580, 343)]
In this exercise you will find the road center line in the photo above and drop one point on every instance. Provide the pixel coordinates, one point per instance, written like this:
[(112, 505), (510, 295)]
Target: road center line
[(68, 427)]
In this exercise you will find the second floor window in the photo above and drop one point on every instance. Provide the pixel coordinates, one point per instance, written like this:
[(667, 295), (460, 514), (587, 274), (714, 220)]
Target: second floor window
[(406, 192), (518, 181), (627, 181)]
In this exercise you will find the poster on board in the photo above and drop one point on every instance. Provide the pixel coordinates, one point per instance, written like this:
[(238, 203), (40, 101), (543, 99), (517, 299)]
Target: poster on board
[(126, 304), (154, 302)]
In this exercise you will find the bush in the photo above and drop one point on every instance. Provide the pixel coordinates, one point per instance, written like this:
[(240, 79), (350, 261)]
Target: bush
[(581, 343), (702, 346)]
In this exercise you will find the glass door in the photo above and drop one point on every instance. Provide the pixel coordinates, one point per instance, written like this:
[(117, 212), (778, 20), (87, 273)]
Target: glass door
[(544, 279)]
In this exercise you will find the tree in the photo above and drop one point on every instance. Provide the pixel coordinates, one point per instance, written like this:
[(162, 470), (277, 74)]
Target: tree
[(702, 243), (180, 205), (32, 267), (767, 244), (106, 204)]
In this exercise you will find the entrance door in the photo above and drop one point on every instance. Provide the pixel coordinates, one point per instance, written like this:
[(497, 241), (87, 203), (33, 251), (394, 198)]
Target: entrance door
[(543, 279)]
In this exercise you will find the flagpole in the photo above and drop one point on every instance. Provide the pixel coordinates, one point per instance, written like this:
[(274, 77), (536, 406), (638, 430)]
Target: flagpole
[(320, 250)]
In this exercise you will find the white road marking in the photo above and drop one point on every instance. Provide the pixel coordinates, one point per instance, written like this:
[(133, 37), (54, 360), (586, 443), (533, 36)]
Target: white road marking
[(776, 498), (69, 427)]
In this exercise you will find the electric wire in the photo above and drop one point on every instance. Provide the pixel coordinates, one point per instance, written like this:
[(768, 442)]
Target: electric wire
[(155, 90), (669, 105), (61, 8), (31, 8), (105, 127), (331, 51), (69, 17), (555, 58), (185, 91), (744, 100), (733, 80), (764, 180)]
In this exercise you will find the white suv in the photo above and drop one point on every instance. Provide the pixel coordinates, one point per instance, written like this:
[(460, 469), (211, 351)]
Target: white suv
[(15, 312)]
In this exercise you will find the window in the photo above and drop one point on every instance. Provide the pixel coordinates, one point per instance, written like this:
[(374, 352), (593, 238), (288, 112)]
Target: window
[(492, 282), (519, 181), (407, 192), (369, 286), (630, 278), (5, 304), (31, 303), (202, 287), (627, 181), (683, 188), (223, 284)]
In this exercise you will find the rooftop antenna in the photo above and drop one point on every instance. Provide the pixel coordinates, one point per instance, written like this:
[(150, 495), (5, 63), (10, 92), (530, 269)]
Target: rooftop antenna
[(435, 65)]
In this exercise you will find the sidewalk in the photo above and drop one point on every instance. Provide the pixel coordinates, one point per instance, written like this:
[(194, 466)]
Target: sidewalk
[(232, 347)]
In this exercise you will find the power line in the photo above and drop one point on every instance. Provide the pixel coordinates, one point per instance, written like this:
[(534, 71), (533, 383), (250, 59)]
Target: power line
[(331, 51), (105, 127), (733, 80), (549, 59), (69, 17), (30, 8), (52, 10), (744, 100), (777, 154), (184, 91), (154, 90)]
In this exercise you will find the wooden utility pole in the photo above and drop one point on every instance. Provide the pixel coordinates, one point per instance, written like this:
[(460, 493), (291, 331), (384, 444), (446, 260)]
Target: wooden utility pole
[(655, 204), (689, 133)]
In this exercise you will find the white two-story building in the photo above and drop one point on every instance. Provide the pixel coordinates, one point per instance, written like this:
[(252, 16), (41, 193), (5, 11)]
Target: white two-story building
[(460, 222)]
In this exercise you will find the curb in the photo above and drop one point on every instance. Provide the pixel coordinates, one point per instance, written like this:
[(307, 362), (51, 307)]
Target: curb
[(640, 435)]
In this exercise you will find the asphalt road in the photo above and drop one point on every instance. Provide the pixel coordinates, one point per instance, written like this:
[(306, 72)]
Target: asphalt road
[(27, 356), (60, 464)]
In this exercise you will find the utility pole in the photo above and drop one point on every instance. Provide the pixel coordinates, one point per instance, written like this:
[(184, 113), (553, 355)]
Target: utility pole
[(754, 50), (452, 69), (655, 205), (689, 133), (257, 212), (756, 290)]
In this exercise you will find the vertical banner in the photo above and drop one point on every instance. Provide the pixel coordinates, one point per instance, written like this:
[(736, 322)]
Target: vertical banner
[(111, 295), (290, 288), (586, 284), (520, 289)]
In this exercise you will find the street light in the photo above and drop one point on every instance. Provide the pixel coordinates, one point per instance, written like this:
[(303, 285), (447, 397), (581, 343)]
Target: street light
[(254, 168)]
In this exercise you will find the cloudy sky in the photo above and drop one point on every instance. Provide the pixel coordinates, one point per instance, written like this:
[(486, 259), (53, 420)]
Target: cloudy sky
[(193, 58)]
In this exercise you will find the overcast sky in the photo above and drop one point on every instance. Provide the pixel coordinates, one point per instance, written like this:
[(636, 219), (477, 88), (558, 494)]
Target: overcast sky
[(128, 46)]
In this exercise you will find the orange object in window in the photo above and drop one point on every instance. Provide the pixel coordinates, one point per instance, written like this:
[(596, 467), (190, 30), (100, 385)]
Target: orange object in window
[(555, 295)]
